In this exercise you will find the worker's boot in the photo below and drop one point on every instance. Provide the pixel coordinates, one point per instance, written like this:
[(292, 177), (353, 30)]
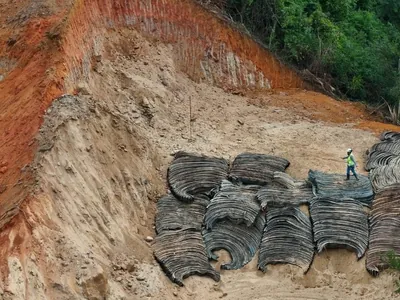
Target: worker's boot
[(348, 177), (356, 176)]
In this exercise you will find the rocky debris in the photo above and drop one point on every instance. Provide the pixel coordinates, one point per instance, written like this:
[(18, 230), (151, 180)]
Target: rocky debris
[(11, 41), (140, 278), (124, 263), (126, 271), (83, 89), (95, 284), (3, 167), (63, 109), (131, 267), (149, 239)]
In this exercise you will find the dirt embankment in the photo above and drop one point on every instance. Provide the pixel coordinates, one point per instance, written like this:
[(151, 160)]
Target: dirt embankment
[(94, 170), (101, 166), (48, 48)]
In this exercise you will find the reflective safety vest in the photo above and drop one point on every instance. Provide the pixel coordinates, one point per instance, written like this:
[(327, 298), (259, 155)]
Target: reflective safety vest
[(350, 161)]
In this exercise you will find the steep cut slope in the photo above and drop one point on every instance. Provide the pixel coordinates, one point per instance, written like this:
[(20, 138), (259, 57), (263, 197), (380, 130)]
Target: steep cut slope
[(91, 173), (101, 166), (49, 48)]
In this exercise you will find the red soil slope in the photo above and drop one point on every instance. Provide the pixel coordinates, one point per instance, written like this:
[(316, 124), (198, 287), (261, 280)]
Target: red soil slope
[(49, 48)]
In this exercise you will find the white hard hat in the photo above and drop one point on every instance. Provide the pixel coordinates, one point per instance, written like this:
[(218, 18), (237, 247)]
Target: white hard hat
[(349, 150)]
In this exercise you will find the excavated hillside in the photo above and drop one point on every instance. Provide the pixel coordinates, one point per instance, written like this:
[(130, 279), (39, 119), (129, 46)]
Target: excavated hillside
[(95, 98)]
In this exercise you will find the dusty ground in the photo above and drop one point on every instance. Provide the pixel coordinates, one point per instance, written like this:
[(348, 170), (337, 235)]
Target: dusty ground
[(101, 167)]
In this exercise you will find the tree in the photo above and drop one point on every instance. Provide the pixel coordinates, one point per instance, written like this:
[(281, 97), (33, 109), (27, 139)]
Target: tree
[(389, 11), (355, 42)]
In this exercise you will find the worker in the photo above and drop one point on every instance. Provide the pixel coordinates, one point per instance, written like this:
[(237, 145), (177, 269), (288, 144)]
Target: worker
[(351, 164)]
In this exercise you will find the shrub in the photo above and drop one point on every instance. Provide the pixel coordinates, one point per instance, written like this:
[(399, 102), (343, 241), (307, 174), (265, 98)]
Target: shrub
[(393, 261)]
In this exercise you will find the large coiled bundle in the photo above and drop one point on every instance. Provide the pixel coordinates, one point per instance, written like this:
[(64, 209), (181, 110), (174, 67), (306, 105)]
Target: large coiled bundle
[(386, 175), (285, 180), (174, 214), (389, 145), (383, 161), (234, 203), (390, 135), (239, 240), (179, 246), (228, 187), (287, 238), (233, 222), (378, 158), (280, 197), (385, 228), (339, 223), (335, 186), (181, 253), (191, 174), (256, 168)]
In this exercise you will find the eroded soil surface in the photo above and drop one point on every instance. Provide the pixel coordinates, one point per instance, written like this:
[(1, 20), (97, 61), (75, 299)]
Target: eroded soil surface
[(101, 167)]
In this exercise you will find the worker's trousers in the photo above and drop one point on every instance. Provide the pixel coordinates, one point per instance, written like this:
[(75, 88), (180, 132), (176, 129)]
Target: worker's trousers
[(351, 168)]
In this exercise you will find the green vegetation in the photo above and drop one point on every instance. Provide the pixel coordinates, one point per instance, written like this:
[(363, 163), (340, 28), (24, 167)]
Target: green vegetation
[(352, 44), (393, 261)]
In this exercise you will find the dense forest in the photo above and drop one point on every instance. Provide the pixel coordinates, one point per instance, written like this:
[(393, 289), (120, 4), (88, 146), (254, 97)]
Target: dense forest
[(354, 45)]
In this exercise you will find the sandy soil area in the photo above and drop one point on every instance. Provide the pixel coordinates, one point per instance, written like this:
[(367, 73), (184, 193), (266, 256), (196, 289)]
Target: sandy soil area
[(102, 165)]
